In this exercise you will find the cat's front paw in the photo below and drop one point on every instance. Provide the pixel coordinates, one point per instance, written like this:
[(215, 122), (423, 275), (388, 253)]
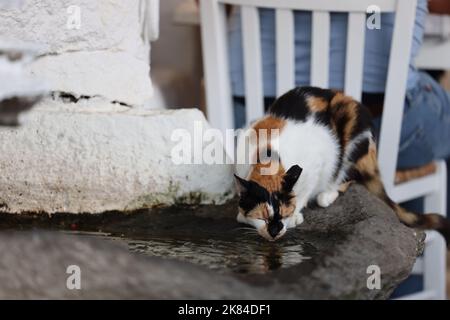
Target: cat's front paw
[(294, 220), (325, 199), (298, 218)]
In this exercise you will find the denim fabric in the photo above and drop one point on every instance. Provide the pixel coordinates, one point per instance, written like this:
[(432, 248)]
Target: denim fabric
[(425, 134), (413, 284)]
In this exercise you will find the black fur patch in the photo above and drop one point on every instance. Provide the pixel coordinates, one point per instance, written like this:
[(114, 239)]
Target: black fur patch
[(364, 120), (323, 117), (294, 105), (275, 202), (340, 129), (285, 197), (361, 149), (275, 225), (251, 195), (290, 178)]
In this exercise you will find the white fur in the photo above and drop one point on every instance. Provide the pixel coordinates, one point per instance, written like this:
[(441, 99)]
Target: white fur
[(353, 143), (315, 149), (324, 199), (293, 220)]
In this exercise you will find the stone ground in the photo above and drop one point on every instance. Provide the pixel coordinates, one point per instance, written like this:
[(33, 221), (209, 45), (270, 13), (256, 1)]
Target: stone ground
[(203, 253)]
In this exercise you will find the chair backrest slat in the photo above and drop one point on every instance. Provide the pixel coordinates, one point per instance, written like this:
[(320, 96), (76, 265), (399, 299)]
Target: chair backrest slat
[(285, 50), (354, 61), (253, 77), (394, 100), (215, 60), (320, 48)]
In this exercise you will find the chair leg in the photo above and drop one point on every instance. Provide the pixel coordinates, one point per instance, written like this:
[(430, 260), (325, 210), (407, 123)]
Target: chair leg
[(434, 276), (435, 250)]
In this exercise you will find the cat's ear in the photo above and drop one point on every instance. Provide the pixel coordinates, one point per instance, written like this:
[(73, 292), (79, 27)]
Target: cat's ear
[(291, 177), (241, 184)]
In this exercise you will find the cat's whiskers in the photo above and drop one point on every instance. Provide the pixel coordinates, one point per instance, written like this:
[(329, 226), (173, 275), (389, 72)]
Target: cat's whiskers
[(246, 228)]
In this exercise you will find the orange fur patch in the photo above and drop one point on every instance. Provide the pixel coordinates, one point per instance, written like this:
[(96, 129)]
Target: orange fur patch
[(368, 163), (343, 187), (259, 212), (272, 182), (344, 107), (340, 98), (269, 123), (317, 104), (287, 210)]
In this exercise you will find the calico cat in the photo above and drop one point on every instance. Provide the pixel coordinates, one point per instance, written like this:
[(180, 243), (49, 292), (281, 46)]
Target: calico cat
[(324, 144)]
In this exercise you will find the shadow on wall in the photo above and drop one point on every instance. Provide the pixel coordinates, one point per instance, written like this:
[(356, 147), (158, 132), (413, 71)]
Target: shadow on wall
[(176, 59)]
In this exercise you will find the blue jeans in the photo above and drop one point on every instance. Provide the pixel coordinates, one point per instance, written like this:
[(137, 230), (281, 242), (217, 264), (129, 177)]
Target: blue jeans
[(425, 134)]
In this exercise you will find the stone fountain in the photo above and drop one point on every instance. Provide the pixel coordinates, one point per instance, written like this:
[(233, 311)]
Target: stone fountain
[(203, 253)]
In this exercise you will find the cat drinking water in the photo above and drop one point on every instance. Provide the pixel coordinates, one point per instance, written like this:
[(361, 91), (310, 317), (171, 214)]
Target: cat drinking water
[(323, 143)]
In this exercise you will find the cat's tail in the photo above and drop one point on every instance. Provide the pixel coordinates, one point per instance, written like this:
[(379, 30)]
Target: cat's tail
[(369, 176)]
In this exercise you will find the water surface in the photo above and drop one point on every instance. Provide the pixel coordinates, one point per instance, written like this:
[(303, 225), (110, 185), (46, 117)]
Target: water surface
[(208, 236)]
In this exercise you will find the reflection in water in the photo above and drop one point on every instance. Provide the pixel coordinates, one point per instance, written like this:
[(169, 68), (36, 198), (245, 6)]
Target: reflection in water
[(239, 250), (248, 256)]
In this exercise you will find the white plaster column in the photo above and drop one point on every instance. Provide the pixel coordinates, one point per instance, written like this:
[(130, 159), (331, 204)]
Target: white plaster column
[(94, 143)]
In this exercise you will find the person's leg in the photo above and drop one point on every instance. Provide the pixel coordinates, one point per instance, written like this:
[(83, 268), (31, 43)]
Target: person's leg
[(437, 117), (435, 112), (426, 128), (439, 126), (425, 134)]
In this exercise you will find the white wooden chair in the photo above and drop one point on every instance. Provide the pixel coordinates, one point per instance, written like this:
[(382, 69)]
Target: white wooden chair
[(219, 103)]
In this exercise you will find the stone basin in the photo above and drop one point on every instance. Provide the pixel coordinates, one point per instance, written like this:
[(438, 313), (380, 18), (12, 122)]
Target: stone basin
[(202, 252)]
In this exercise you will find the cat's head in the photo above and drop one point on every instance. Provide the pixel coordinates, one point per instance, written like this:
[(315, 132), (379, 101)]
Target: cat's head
[(268, 211)]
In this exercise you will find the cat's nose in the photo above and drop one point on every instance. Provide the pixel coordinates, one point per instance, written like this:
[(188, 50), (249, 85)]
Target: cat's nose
[(274, 228)]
